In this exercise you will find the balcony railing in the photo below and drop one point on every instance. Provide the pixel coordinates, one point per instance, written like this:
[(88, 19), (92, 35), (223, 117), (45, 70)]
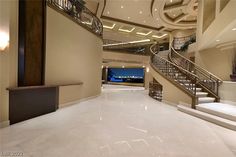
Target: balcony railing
[(182, 43), (82, 15)]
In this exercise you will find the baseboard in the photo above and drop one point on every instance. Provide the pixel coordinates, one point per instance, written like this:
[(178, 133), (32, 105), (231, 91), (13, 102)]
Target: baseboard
[(185, 104), (77, 101), (175, 105), (4, 124), (169, 103)]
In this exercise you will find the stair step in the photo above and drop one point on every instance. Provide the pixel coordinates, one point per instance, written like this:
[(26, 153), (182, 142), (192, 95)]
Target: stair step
[(208, 117), (182, 80), (202, 100), (226, 111), (198, 89), (188, 84), (201, 94)]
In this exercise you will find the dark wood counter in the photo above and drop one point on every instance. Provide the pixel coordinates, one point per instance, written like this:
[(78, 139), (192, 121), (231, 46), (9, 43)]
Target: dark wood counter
[(43, 86), (32, 101)]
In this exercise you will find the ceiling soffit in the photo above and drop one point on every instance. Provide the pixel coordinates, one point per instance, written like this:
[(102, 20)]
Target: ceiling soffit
[(180, 14), (148, 18)]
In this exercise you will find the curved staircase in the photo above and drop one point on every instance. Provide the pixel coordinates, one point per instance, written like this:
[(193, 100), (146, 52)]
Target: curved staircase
[(199, 84)]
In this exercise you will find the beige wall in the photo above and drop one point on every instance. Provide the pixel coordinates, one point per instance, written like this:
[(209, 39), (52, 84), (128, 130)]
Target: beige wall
[(218, 62), (171, 93), (209, 12), (227, 91), (124, 56), (218, 27), (8, 58), (73, 54)]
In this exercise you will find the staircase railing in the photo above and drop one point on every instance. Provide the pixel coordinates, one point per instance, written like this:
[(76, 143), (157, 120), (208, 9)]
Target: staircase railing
[(205, 78), (82, 15), (155, 90), (168, 69)]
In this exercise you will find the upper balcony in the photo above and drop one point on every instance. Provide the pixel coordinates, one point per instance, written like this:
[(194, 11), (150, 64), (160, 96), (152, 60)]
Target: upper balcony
[(76, 11)]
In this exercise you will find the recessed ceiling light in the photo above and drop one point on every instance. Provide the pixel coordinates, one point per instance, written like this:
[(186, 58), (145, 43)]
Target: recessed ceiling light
[(171, 1), (127, 30), (130, 42), (122, 7), (174, 15), (144, 21), (140, 12), (128, 17), (217, 40), (108, 12), (161, 36), (155, 9), (157, 19), (234, 29)]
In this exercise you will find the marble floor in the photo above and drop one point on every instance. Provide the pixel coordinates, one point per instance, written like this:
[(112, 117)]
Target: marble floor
[(122, 122)]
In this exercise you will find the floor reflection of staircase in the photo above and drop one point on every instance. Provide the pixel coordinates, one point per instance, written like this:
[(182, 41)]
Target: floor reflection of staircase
[(218, 113)]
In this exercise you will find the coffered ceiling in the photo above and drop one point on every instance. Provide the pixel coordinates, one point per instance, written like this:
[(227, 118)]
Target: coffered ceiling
[(141, 19)]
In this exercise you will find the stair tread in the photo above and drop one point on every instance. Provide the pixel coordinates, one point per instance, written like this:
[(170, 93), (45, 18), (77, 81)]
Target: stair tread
[(206, 98), (219, 108), (209, 117), (201, 93), (202, 100)]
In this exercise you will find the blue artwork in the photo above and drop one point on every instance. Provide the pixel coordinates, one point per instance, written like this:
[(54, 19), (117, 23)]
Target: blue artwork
[(132, 75)]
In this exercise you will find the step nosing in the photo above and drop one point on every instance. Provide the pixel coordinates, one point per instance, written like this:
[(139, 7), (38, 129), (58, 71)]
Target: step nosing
[(209, 117)]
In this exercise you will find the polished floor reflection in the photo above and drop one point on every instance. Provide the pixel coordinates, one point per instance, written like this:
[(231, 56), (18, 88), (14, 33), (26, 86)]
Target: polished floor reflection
[(122, 122)]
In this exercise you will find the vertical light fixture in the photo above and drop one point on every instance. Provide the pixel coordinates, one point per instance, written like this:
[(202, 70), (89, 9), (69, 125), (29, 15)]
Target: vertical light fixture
[(4, 41)]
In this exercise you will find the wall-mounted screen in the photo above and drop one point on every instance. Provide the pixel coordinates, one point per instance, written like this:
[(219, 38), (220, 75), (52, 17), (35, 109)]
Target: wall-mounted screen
[(129, 75)]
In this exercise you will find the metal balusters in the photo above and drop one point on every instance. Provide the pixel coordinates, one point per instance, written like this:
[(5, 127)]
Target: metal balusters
[(80, 13), (169, 70), (205, 78)]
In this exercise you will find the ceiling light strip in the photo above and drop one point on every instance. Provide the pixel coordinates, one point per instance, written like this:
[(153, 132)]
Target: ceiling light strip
[(109, 27), (144, 34), (130, 42), (127, 30), (156, 36)]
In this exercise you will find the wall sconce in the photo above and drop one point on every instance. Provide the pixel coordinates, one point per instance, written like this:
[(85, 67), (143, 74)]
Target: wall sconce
[(4, 41), (147, 69)]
